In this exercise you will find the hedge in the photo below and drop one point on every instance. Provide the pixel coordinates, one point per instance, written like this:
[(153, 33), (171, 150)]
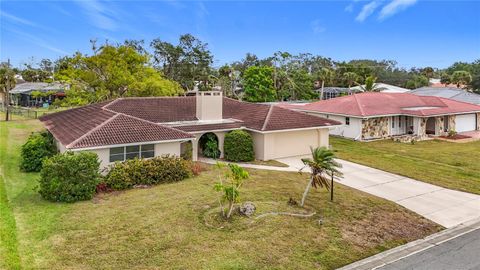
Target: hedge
[(39, 145), (124, 175), (238, 146), (69, 177)]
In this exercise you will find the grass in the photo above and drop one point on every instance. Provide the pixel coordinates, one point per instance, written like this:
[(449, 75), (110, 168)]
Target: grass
[(272, 162), (447, 164), (166, 226)]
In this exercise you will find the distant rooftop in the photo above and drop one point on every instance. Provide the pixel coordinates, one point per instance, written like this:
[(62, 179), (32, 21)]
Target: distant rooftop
[(28, 87), (448, 92)]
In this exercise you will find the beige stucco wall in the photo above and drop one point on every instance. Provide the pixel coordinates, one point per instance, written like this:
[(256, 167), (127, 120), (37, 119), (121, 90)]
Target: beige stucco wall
[(172, 148), (289, 143), (209, 105)]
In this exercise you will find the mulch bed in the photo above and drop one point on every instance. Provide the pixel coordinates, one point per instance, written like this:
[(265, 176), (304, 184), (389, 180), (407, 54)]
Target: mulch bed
[(456, 137)]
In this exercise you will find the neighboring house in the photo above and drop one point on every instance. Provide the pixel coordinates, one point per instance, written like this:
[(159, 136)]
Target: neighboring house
[(23, 94), (384, 88), (448, 92), (368, 116), (333, 92), (145, 127)]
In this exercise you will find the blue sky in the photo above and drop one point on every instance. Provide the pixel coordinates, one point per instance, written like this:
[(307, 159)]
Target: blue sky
[(412, 32)]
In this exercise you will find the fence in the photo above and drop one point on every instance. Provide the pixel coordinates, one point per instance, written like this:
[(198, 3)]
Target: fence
[(24, 113)]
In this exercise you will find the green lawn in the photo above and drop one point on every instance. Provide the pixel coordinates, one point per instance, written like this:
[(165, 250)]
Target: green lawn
[(173, 226), (447, 164)]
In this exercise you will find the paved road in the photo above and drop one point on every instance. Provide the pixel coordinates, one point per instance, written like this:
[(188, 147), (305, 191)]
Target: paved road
[(461, 253)]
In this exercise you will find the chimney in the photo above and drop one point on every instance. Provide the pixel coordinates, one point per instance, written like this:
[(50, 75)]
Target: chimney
[(209, 105)]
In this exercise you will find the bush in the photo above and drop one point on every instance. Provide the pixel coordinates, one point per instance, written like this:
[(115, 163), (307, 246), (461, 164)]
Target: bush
[(147, 172), (69, 177), (238, 146), (39, 145), (187, 151)]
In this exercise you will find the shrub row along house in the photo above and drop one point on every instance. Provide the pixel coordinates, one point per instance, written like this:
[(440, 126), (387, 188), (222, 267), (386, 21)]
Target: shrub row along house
[(368, 116), (126, 128)]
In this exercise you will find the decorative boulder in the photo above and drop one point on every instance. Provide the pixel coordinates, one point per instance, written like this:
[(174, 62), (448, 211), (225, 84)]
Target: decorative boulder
[(247, 209)]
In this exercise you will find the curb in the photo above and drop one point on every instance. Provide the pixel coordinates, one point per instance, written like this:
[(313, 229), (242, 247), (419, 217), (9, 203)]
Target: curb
[(400, 252)]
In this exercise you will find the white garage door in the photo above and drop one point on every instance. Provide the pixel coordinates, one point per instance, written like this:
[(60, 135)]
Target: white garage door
[(465, 122)]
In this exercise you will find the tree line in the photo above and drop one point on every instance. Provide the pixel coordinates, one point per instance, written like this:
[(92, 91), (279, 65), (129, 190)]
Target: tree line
[(160, 68)]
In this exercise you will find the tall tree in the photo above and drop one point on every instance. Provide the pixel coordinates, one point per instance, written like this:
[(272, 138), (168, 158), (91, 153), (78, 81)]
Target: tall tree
[(7, 82), (351, 78), (258, 84), (189, 62), (325, 76), (445, 78), (113, 71), (417, 81), (461, 77)]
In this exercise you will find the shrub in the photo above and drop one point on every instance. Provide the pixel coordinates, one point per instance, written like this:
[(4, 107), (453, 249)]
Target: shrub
[(451, 133), (238, 146), (39, 145), (157, 170), (187, 151), (69, 177), (209, 144)]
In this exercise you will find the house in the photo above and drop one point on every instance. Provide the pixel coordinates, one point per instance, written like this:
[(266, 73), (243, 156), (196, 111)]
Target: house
[(24, 94), (145, 127), (333, 92), (375, 115), (385, 88), (448, 92)]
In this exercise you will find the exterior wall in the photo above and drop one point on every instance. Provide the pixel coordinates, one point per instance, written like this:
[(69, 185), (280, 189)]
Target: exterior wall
[(352, 131), (478, 121), (221, 138), (375, 128), (61, 148), (289, 143), (440, 126), (452, 122), (172, 148), (209, 105)]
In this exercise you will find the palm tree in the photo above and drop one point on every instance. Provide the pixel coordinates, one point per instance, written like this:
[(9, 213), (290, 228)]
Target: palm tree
[(324, 75), (461, 77), (322, 165), (350, 78), (370, 85), (7, 82)]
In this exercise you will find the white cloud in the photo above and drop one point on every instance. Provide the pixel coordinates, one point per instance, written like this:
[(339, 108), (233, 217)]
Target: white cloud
[(367, 10), (349, 8), (101, 16), (395, 6), (317, 27)]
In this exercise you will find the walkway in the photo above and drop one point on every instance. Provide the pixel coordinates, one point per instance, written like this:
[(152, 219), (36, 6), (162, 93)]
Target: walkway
[(443, 206)]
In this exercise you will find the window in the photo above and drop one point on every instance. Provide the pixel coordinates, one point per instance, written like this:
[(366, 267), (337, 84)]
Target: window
[(347, 121), (400, 118), (131, 152), (393, 121)]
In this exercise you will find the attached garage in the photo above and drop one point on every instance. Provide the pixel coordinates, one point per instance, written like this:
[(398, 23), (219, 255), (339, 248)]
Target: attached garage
[(282, 144), (465, 122)]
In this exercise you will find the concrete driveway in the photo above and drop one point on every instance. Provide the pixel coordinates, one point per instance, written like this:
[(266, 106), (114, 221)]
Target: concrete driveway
[(443, 206)]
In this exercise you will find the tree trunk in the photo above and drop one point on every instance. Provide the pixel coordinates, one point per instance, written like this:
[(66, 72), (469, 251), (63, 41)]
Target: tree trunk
[(305, 193), (230, 210), (321, 91)]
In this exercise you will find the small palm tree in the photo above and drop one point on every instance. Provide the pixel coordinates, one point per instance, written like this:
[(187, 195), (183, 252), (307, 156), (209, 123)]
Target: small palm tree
[(370, 85), (322, 166)]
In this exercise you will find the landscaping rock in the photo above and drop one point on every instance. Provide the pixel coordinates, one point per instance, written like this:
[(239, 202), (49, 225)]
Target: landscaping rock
[(247, 209)]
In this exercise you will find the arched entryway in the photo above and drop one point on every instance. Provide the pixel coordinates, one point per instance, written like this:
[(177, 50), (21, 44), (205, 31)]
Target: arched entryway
[(208, 145)]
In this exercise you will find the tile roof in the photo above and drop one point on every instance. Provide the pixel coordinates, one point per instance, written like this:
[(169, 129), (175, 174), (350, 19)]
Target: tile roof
[(376, 104), (448, 92), (130, 120)]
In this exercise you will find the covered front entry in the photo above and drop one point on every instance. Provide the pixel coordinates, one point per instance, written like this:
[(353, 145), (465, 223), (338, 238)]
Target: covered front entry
[(205, 142)]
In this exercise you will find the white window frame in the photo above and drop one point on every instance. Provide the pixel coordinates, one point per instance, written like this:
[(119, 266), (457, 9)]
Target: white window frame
[(139, 153)]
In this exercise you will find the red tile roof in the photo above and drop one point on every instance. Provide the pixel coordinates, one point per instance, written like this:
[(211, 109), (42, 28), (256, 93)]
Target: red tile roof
[(376, 104), (130, 120)]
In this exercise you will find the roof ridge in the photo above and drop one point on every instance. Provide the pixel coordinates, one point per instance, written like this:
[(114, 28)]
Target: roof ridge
[(92, 130), (153, 123), (358, 105), (110, 103), (267, 118)]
